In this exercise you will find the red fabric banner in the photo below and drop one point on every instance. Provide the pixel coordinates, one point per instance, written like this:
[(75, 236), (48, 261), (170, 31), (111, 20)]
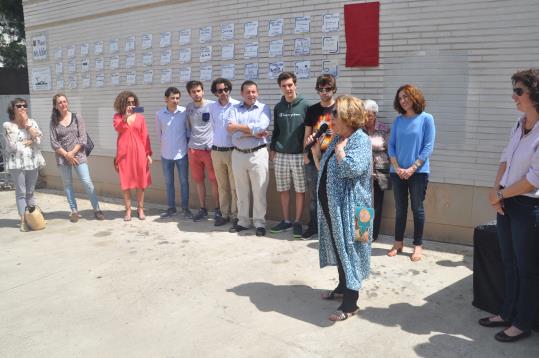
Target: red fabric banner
[(362, 28)]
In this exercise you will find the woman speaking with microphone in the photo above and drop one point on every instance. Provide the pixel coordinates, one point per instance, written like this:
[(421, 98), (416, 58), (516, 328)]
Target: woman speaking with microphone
[(344, 184)]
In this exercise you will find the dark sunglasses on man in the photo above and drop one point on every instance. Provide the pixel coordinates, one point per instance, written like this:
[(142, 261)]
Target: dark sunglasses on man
[(21, 105), (221, 90), (324, 90)]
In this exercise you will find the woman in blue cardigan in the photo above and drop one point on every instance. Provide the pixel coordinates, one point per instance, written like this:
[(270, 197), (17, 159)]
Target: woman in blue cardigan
[(411, 143), (344, 184)]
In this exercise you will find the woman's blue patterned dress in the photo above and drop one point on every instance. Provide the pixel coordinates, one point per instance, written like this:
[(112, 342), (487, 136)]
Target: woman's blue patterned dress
[(349, 184)]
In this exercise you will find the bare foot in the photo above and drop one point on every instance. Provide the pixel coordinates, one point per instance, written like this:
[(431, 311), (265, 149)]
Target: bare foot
[(397, 247), (416, 254)]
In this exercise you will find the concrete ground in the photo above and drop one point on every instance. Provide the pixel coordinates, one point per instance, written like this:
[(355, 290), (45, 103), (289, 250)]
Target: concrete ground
[(176, 288)]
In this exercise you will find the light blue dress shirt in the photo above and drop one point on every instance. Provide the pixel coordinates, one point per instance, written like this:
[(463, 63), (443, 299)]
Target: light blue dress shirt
[(219, 117), (257, 118), (173, 133)]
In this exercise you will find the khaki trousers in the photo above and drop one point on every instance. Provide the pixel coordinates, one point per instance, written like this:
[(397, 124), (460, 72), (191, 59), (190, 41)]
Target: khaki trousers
[(222, 165), (251, 170)]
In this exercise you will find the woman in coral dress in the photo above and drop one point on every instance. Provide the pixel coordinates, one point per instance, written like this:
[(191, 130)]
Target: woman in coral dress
[(133, 153)]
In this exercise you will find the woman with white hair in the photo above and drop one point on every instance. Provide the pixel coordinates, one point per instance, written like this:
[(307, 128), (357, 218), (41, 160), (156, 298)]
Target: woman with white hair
[(379, 134)]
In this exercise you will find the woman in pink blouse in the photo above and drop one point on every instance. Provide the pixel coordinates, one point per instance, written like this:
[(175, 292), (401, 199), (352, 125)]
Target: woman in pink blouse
[(133, 153)]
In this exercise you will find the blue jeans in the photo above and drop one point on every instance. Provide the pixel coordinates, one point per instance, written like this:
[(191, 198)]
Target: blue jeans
[(183, 171), (84, 176), (416, 185), (518, 235), (25, 183)]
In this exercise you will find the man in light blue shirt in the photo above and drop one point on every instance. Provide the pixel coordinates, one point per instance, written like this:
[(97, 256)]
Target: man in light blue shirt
[(248, 124), (173, 134), (221, 150)]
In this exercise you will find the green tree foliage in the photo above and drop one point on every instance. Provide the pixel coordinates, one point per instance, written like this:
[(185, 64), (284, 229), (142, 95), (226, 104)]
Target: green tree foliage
[(12, 40)]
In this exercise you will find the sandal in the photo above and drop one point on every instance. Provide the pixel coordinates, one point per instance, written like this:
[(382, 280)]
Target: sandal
[(127, 216), (395, 250), (341, 316), (140, 213), (331, 295), (74, 217)]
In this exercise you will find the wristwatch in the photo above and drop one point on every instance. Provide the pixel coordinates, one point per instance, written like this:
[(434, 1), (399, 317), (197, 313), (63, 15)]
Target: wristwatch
[(499, 195)]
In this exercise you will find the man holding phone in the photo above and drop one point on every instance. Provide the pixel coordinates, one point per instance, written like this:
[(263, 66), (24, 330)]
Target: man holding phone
[(200, 143), (172, 131)]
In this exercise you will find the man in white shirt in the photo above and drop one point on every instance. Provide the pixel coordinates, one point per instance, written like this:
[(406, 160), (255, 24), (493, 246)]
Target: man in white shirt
[(221, 150), (248, 125), (173, 134)]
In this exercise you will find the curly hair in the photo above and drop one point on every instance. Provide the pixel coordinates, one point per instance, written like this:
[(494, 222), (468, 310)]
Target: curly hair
[(351, 111), (530, 79), (11, 107), (414, 94), (120, 103), (218, 81)]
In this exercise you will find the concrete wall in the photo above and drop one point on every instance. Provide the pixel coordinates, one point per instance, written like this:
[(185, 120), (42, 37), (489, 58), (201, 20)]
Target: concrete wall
[(461, 53)]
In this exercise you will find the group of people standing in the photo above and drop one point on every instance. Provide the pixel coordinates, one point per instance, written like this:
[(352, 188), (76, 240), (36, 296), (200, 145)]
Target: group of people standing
[(348, 166)]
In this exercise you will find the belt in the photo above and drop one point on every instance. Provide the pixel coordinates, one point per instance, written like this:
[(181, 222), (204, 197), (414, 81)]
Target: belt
[(252, 150), (221, 149)]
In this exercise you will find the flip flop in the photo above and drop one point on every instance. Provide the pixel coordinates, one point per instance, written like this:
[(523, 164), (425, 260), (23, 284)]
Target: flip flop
[(341, 316)]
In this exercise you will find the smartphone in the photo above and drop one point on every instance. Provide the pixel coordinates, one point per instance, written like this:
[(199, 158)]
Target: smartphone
[(138, 109)]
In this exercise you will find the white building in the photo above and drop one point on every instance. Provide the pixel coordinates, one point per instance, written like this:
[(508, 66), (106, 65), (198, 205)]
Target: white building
[(461, 53)]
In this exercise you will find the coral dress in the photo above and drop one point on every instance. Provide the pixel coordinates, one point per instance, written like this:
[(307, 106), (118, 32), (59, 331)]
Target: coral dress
[(132, 148)]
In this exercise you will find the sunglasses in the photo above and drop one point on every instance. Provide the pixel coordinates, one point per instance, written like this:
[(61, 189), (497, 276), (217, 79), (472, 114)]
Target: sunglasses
[(518, 91), (324, 90), (21, 105), (223, 90)]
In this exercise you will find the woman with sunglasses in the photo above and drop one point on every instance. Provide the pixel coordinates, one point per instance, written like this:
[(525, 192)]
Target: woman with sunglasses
[(344, 184), (133, 152), (23, 157), (411, 143), (68, 140), (515, 197)]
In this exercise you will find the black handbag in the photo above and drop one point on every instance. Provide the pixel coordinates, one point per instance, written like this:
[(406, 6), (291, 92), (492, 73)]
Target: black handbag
[(89, 142)]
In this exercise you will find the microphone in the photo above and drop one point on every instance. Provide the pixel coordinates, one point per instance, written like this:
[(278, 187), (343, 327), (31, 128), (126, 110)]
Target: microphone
[(323, 129)]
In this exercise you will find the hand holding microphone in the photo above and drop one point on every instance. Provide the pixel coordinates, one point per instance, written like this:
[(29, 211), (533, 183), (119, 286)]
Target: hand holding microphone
[(314, 138)]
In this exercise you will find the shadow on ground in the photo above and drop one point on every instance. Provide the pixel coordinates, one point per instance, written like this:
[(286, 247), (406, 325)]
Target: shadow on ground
[(296, 301), (450, 316)]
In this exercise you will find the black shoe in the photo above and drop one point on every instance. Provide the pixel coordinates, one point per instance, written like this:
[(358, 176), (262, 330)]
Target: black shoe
[(187, 214), (310, 232), (280, 227), (236, 229), (486, 322), (168, 213), (202, 213), (502, 337), (260, 231), (220, 221), (235, 222), (216, 213), (297, 230)]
